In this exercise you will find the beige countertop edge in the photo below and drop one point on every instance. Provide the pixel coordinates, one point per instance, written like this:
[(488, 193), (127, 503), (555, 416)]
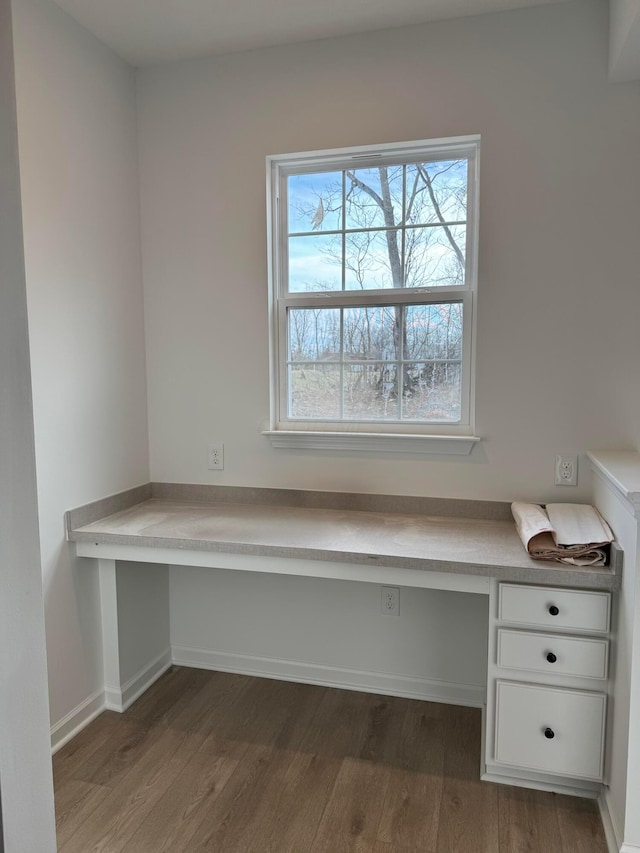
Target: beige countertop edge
[(558, 575)]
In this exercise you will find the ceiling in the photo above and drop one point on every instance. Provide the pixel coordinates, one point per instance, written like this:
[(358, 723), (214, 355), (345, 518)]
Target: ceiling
[(145, 32)]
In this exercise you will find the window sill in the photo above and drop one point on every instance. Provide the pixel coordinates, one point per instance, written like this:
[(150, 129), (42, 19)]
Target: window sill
[(418, 445)]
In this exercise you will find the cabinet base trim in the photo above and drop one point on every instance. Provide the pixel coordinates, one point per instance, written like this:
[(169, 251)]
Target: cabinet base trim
[(589, 790)]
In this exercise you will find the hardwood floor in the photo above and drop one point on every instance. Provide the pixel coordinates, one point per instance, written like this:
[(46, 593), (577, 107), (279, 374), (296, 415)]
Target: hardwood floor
[(208, 761)]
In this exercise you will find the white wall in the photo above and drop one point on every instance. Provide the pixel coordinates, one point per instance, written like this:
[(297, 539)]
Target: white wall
[(27, 819), (78, 147), (559, 254), (322, 631), (558, 348)]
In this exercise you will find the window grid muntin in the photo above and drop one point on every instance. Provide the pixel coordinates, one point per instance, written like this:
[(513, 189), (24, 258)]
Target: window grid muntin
[(403, 241), (334, 232)]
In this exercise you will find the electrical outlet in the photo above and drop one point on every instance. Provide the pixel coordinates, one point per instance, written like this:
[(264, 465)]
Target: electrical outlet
[(390, 600), (216, 456), (566, 469)]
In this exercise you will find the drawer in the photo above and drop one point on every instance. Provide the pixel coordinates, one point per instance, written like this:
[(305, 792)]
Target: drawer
[(550, 607), (552, 730), (555, 654)]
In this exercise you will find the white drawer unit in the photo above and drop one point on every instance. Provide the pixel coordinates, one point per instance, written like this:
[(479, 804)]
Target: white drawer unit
[(547, 686), (554, 654), (552, 730), (549, 607)]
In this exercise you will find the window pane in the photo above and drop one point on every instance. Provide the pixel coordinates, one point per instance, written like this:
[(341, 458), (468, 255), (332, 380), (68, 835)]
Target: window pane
[(373, 260), (433, 331), (314, 391), (437, 192), (370, 333), (373, 197), (432, 392), (314, 334), (315, 263), (315, 202), (370, 392), (434, 257)]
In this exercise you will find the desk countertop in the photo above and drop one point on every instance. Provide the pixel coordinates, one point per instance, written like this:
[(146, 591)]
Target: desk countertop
[(469, 546)]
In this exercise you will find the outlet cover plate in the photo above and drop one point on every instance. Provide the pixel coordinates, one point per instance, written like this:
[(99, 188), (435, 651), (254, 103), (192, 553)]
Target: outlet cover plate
[(566, 469), (390, 600), (215, 456)]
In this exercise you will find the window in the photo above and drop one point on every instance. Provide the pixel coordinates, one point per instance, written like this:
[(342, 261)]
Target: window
[(373, 274)]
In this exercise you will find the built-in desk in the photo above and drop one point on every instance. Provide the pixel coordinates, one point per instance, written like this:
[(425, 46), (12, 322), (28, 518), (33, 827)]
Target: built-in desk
[(480, 555), (431, 551)]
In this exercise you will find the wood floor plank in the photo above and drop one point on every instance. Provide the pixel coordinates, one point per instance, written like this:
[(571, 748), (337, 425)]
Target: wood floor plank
[(75, 801), (112, 823), (68, 760), (293, 822), (251, 800), (268, 714), (116, 756), (186, 713), (170, 694), (383, 728), (215, 702), (580, 825), (290, 714), (175, 817), (223, 827), (341, 731), (224, 763), (528, 821), (344, 725), (468, 817), (352, 816), (411, 810)]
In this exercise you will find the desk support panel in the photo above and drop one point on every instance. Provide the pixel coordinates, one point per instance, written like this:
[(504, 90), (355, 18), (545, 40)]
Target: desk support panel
[(134, 603), (110, 634)]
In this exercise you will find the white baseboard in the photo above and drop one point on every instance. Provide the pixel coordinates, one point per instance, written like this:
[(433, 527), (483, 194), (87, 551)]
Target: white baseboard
[(452, 693), (121, 698), (115, 698), (612, 832), (77, 719)]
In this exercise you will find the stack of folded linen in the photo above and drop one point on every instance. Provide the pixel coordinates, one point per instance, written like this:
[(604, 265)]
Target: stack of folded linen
[(568, 533)]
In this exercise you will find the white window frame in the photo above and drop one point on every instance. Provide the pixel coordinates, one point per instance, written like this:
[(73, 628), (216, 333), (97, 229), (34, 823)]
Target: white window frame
[(395, 436)]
